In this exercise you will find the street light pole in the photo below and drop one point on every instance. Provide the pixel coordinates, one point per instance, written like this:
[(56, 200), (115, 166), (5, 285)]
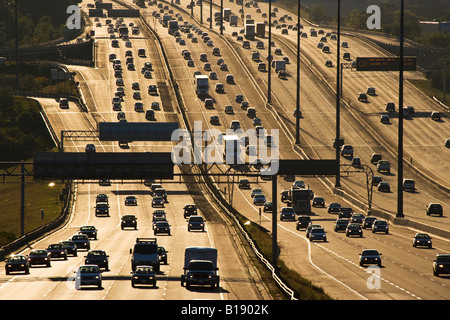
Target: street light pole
[(400, 118), (297, 111), (338, 96), (269, 74)]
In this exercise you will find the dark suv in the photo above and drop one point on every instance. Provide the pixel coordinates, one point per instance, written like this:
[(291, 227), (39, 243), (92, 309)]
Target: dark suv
[(303, 222), (434, 208), (441, 264), (189, 210), (102, 208), (128, 221)]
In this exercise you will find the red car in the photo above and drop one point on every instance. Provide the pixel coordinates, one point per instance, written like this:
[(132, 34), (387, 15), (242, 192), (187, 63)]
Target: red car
[(39, 257)]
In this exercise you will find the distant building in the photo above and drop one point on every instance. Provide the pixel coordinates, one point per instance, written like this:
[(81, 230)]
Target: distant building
[(434, 26)]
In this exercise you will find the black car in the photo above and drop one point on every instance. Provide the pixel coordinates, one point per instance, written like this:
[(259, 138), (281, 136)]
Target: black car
[(380, 226), (334, 207), (303, 222), (153, 89), (130, 201), (354, 229), (143, 275), (383, 186), (244, 184), (81, 241), (162, 253), (161, 227), (441, 264), (39, 257), (368, 222), (345, 212), (102, 208), (101, 197), (189, 210), (341, 224), (57, 251), (370, 256), (128, 221), (90, 231), (318, 202), (97, 257), (70, 247), (17, 262), (422, 239), (434, 208)]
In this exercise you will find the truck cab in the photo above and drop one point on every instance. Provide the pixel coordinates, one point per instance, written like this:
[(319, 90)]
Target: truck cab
[(200, 267), (145, 252)]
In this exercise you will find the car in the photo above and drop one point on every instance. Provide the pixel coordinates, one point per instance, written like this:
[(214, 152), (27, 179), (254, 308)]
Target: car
[(441, 264), (371, 91), (303, 221), (158, 201), (244, 184), (150, 114), (89, 231), (220, 88), (57, 251), (310, 227), (362, 96), (345, 212), (121, 116), (356, 162), (256, 191), (422, 239), (162, 253), (189, 210), (235, 125), (90, 148), (434, 208), (229, 78), (346, 56), (376, 180), (70, 247), (357, 218), (244, 104), (408, 184), (259, 199), (63, 103), (161, 227), (268, 206), (299, 184), (137, 95), (328, 63), (102, 208), (334, 207), (155, 105), (81, 241), (447, 143), (88, 275), (39, 257), (368, 222), (239, 98), (384, 166), (257, 121), (370, 256), (353, 229), (97, 257), (317, 234), (318, 202), (262, 66), (141, 52), (384, 186), (213, 75), (344, 44), (436, 116), (143, 275), (128, 221), (341, 224), (287, 213), (139, 107), (130, 201), (380, 226), (347, 151), (223, 67), (390, 107), (196, 222), (375, 158), (326, 49), (17, 262), (214, 120), (209, 103), (216, 51), (152, 89)]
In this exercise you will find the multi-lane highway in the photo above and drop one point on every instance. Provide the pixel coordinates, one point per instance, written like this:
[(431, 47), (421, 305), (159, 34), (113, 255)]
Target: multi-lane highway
[(406, 271)]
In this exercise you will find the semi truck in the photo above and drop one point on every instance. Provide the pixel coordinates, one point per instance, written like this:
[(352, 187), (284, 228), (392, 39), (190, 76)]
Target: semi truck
[(200, 267), (260, 29), (201, 85), (172, 26), (250, 31), (226, 14), (233, 20), (145, 253), (300, 200)]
